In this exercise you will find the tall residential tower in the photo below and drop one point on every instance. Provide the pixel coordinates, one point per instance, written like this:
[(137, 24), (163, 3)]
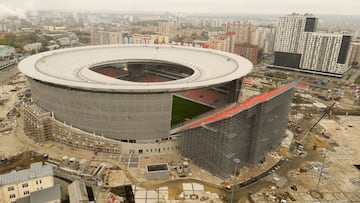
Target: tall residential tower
[(298, 46)]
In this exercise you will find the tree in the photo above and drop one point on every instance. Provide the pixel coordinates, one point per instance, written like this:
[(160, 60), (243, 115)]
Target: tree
[(354, 64), (260, 53)]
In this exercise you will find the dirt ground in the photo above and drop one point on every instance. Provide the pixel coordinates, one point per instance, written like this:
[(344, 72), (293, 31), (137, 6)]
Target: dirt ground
[(345, 131), (20, 161)]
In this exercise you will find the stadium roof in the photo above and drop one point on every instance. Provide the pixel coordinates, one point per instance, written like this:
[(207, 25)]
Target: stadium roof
[(71, 67)]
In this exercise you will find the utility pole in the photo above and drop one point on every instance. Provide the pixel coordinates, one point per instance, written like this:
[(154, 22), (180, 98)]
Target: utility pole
[(236, 161)]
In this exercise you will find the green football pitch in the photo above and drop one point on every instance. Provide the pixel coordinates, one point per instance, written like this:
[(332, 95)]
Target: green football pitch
[(183, 109)]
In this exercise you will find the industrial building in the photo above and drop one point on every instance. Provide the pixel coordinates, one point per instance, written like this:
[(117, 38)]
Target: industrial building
[(299, 47)]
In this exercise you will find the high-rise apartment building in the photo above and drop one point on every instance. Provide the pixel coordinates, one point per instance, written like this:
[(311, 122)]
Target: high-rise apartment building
[(324, 52), (355, 52), (164, 28), (223, 42), (99, 37), (298, 46), (247, 50), (290, 30), (264, 38), (244, 31)]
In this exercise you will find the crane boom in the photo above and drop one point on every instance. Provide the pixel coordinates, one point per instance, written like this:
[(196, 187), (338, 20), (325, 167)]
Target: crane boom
[(328, 109)]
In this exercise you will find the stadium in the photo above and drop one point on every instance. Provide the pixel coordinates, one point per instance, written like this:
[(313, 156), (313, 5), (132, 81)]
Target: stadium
[(152, 99)]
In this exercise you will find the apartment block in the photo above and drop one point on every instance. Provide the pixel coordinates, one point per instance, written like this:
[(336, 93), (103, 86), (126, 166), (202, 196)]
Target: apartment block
[(299, 47), (244, 31), (324, 52), (21, 183), (223, 42), (355, 52), (264, 38), (247, 50), (99, 37)]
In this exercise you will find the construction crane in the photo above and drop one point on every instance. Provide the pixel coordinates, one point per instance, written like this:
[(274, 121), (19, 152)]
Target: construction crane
[(327, 111)]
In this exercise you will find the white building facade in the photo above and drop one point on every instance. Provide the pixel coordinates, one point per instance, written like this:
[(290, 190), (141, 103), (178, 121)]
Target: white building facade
[(21, 183), (290, 29), (321, 52), (298, 46)]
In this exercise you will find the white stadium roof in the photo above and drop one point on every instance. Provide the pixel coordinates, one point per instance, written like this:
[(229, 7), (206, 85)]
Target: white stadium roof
[(71, 67)]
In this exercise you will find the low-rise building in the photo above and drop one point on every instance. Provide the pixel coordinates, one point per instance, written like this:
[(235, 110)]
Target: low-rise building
[(6, 51), (33, 47), (48, 195), (77, 192), (21, 183), (157, 171)]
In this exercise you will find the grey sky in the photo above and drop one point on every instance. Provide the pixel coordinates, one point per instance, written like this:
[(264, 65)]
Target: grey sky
[(347, 7)]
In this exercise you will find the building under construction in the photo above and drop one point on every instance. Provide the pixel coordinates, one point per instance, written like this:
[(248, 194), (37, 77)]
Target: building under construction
[(112, 99), (245, 131), (37, 123)]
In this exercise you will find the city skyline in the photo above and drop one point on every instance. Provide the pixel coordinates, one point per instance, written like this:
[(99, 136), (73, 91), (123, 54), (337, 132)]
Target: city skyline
[(318, 7)]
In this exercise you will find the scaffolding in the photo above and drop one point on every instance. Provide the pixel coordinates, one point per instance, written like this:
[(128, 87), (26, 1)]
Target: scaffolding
[(246, 135), (41, 126), (37, 124)]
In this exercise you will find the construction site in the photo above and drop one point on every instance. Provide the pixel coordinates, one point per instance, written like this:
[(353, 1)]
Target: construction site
[(317, 161)]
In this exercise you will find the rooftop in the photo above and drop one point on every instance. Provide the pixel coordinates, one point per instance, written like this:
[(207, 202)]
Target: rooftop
[(36, 170), (77, 192), (45, 195), (71, 67)]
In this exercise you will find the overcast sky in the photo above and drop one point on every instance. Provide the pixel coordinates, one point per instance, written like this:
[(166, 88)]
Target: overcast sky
[(346, 7)]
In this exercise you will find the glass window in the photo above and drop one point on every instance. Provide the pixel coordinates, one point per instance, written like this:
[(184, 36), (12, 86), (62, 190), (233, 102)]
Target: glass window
[(25, 185), (10, 188)]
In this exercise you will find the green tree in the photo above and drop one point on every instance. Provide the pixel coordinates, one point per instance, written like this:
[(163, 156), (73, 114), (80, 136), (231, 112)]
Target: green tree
[(260, 53)]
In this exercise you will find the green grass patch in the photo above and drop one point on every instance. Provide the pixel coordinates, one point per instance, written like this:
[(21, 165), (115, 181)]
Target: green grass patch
[(183, 108)]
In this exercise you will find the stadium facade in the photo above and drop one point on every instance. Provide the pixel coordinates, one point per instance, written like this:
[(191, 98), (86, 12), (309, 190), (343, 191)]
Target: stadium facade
[(94, 98), (66, 83)]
